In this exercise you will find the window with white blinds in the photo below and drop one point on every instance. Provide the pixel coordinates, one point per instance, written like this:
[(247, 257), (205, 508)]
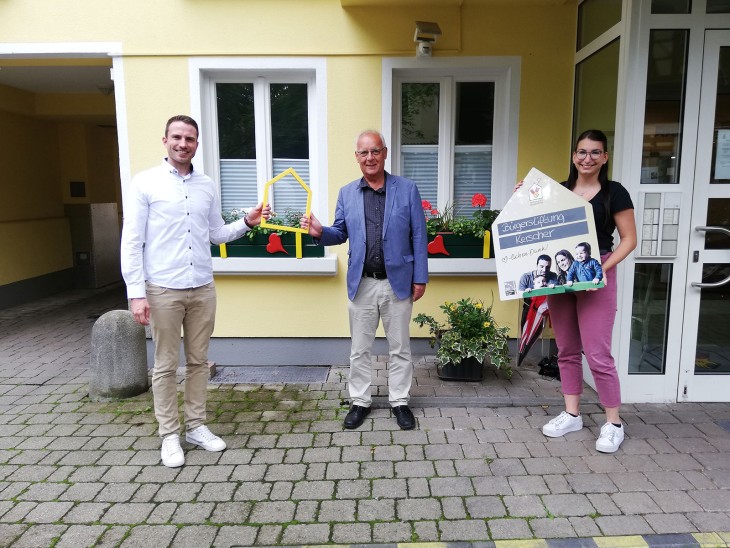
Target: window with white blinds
[(420, 163), (263, 129), (287, 192), (445, 138), (472, 174), (238, 184)]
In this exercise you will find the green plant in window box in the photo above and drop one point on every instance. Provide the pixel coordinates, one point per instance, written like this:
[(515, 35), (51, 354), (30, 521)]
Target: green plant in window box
[(460, 236), (438, 221), (257, 241), (447, 220), (290, 218), (469, 332)]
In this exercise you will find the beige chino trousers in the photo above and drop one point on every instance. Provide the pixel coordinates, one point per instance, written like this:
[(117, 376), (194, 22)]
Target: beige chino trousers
[(193, 311), (374, 301)]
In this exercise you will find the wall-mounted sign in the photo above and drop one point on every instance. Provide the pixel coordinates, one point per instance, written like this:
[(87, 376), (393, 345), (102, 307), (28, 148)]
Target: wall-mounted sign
[(722, 157)]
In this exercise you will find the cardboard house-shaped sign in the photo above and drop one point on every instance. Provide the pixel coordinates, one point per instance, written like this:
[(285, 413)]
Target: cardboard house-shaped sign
[(545, 241)]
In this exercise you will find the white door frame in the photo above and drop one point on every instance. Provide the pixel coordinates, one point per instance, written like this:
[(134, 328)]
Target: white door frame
[(639, 22), (692, 387)]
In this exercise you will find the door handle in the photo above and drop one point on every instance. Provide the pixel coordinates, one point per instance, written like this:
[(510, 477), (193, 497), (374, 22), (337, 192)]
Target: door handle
[(721, 230)]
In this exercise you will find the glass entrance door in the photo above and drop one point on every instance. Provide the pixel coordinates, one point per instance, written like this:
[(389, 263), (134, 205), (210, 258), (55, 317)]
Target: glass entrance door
[(705, 356)]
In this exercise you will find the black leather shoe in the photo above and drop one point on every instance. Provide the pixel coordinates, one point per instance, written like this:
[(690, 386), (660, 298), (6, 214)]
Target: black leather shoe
[(356, 416), (405, 417)]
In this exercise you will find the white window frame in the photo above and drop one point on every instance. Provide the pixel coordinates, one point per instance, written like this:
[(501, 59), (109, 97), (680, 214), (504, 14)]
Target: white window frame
[(205, 72), (505, 73)]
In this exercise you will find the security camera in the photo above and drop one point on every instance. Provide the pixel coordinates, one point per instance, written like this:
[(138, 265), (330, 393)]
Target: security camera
[(424, 49), (425, 35)]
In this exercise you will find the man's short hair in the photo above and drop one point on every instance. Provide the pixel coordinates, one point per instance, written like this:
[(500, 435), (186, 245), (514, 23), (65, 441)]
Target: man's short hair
[(185, 119), (371, 132), (544, 258)]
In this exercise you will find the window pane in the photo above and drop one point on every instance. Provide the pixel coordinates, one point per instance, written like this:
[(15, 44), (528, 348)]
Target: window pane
[(420, 137), (420, 164), (287, 192), (237, 146), (718, 6), (238, 184), (718, 214), (472, 174), (713, 344), (720, 166), (236, 130), (649, 315), (595, 17), (473, 139), (596, 86), (289, 144), (671, 6), (665, 86), (420, 114), (474, 113), (289, 121)]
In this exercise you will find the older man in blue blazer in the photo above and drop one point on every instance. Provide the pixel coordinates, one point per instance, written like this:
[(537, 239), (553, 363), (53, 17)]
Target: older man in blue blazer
[(387, 270)]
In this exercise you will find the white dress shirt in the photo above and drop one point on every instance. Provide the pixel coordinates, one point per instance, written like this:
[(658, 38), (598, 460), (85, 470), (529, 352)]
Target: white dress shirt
[(170, 221)]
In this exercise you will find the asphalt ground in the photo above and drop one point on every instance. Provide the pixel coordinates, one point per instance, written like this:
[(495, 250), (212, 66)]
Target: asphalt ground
[(476, 471)]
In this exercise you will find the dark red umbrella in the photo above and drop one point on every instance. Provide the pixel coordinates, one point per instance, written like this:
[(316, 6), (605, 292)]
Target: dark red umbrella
[(532, 324)]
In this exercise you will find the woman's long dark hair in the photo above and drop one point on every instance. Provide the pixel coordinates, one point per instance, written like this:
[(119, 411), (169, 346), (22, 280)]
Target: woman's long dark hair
[(594, 135), (562, 274)]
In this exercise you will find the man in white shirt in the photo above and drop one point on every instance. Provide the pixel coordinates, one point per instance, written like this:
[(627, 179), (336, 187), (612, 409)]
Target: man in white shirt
[(172, 213)]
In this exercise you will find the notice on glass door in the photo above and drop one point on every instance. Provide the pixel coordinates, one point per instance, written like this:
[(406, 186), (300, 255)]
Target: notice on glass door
[(722, 158)]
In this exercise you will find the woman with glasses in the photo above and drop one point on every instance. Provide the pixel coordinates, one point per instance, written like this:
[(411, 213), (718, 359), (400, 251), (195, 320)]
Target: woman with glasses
[(583, 321)]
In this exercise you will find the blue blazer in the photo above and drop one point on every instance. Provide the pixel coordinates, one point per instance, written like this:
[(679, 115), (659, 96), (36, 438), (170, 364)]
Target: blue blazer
[(404, 234)]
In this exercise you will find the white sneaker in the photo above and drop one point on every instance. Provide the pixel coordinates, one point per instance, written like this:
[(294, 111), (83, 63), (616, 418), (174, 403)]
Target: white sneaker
[(610, 439), (172, 454), (205, 438), (562, 424)]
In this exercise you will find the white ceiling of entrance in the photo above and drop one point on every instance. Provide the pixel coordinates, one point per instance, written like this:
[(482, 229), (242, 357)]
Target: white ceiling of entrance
[(59, 79)]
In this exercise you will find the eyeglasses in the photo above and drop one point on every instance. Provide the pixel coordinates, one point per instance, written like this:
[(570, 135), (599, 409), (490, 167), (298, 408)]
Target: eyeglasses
[(374, 151), (595, 154)]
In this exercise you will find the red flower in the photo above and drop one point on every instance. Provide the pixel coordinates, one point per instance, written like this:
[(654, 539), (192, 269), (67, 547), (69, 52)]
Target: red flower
[(434, 212), (425, 204), (478, 200)]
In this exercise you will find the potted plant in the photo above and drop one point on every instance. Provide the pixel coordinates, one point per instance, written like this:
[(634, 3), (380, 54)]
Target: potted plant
[(468, 336)]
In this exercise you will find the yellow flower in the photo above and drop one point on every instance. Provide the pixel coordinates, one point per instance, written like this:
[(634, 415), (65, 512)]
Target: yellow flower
[(453, 307), (478, 305), (487, 324)]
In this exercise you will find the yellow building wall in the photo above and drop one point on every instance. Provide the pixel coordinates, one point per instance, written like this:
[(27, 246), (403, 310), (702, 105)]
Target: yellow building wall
[(33, 248), (34, 235), (42, 151), (156, 48)]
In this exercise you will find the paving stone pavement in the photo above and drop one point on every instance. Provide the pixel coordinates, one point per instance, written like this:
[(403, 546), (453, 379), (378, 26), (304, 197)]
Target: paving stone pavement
[(477, 471)]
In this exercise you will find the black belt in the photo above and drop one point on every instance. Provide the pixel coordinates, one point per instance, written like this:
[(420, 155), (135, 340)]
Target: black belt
[(376, 275), (604, 251)]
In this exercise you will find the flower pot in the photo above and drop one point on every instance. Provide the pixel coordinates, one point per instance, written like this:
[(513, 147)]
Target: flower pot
[(449, 245), (262, 246), (468, 369)]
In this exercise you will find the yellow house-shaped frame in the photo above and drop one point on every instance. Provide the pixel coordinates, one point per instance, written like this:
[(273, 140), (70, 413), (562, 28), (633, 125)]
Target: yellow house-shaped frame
[(307, 210)]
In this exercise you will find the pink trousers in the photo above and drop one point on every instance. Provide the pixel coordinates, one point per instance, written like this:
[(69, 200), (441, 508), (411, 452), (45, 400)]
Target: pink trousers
[(582, 323)]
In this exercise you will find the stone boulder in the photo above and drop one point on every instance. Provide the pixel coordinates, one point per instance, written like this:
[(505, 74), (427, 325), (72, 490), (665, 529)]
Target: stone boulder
[(118, 367)]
